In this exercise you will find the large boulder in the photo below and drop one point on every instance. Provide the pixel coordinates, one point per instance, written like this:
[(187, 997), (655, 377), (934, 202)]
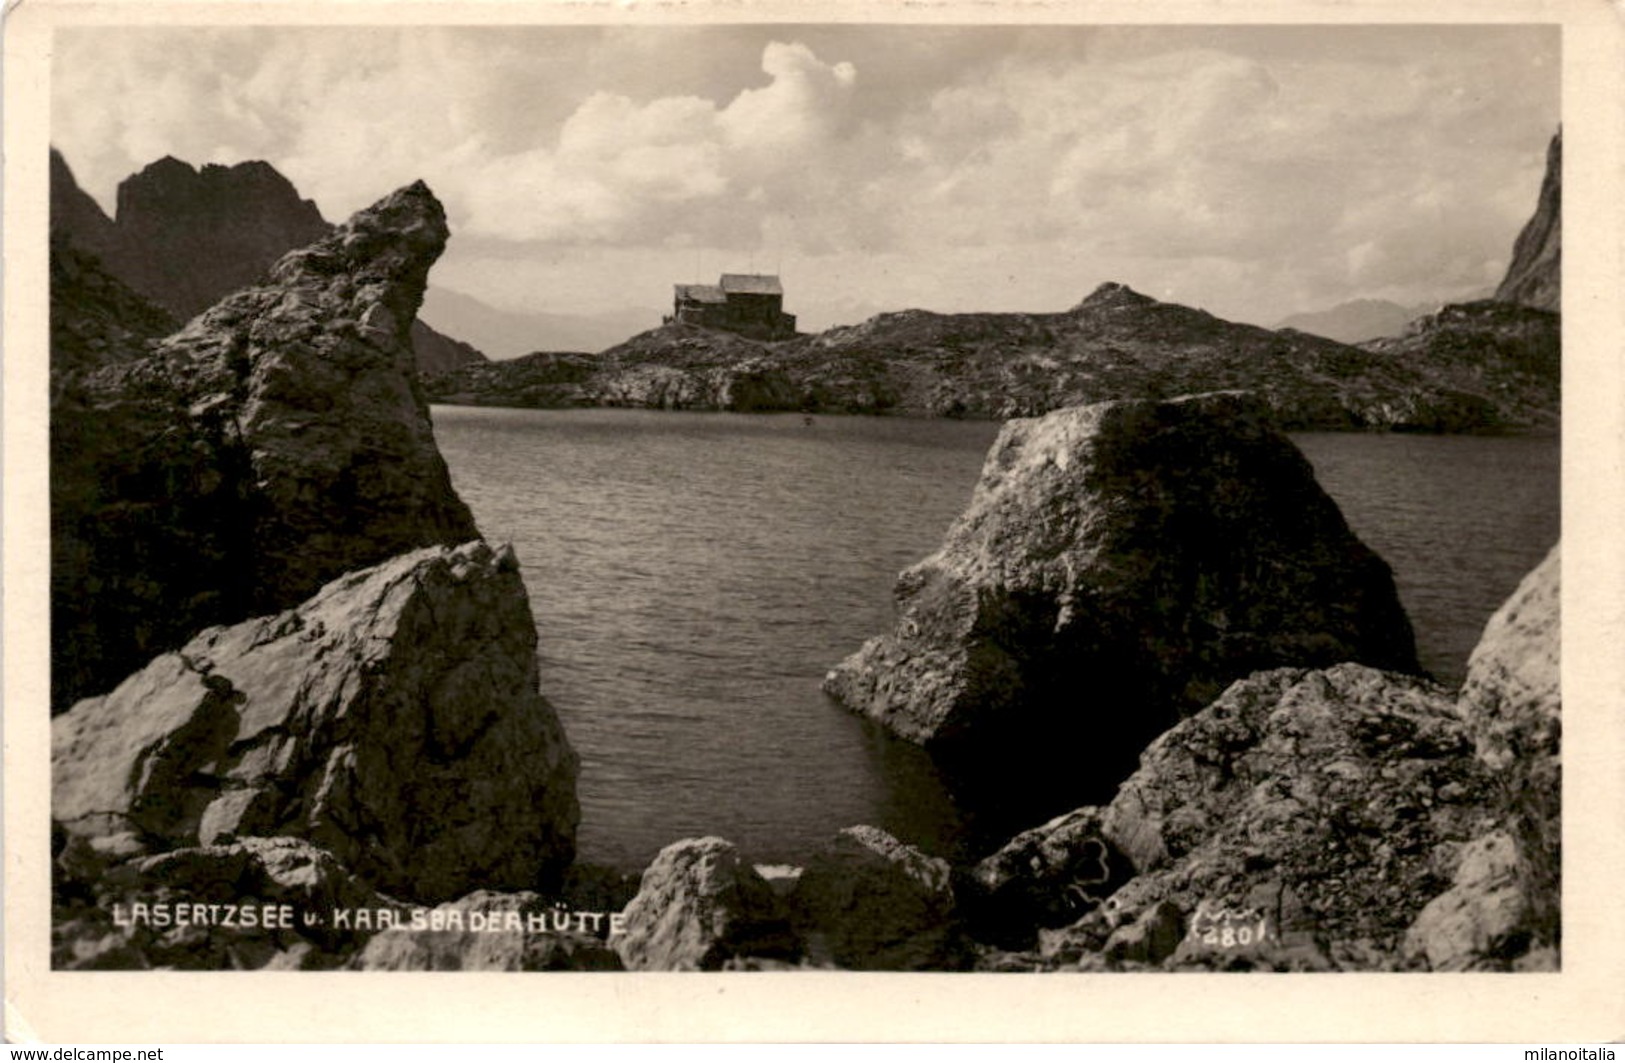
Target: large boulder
[(392, 719), (700, 907), (1118, 566), (1328, 806), (274, 443), (1512, 698), (1506, 898), (1314, 820), (870, 902)]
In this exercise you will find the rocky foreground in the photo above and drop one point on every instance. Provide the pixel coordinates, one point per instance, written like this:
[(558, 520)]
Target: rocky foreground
[(1308, 820), (302, 727)]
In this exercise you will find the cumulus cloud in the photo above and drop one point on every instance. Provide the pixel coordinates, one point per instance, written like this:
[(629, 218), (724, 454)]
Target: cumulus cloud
[(674, 169), (1254, 171)]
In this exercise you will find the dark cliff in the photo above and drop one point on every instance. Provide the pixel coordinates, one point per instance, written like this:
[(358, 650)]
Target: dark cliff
[(187, 236), (1534, 279), (97, 319)]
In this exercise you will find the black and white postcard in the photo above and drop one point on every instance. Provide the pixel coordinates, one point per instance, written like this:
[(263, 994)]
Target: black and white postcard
[(912, 522)]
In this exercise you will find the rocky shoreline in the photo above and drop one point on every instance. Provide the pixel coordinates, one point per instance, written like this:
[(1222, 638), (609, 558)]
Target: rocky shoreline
[(299, 725), (1115, 344)]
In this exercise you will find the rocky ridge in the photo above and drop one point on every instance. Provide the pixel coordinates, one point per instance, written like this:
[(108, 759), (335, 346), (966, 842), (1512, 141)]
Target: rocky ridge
[(1115, 344), (1486, 366), (1508, 349), (1513, 354), (97, 319)]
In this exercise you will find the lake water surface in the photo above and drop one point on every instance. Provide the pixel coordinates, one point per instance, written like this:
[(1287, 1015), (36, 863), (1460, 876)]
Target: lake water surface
[(695, 575)]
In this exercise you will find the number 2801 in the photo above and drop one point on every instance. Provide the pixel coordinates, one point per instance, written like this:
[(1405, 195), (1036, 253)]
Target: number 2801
[(1229, 930)]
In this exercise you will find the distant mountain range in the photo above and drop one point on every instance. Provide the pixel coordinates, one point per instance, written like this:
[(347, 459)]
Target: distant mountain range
[(1356, 320), (503, 334)]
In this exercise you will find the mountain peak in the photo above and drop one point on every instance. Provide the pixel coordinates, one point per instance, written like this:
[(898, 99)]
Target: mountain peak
[(1534, 277), (185, 235), (1112, 294), (74, 213)]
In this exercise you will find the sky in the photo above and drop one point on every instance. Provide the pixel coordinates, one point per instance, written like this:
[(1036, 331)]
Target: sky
[(1253, 172)]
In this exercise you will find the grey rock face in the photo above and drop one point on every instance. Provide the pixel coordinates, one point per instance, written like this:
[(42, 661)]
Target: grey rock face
[(699, 907), (1535, 276), (870, 902), (96, 319), (1331, 804), (1118, 566), (184, 236), (1483, 920), (274, 443), (1512, 704), (392, 719), (76, 215), (1512, 699)]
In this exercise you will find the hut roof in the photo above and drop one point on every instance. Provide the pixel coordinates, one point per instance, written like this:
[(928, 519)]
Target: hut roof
[(701, 293), (751, 284)]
